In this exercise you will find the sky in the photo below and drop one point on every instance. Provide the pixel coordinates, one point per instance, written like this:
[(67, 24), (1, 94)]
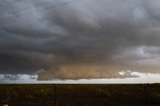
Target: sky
[(141, 78), (79, 39)]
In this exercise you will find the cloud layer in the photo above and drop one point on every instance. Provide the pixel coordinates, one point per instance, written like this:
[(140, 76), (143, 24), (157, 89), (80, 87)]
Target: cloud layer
[(79, 39)]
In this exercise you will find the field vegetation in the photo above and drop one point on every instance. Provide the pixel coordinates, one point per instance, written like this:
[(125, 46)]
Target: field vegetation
[(79, 94)]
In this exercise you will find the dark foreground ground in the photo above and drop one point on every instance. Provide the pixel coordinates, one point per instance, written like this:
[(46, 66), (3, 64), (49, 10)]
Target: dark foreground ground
[(80, 95)]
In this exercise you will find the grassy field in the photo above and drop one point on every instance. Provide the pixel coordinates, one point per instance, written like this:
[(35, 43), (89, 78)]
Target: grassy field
[(80, 95)]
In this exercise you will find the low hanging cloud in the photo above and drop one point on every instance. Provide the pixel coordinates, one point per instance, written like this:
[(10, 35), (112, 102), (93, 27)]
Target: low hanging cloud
[(81, 39)]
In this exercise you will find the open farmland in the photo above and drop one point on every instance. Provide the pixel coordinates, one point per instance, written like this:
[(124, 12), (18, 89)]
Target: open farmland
[(79, 94)]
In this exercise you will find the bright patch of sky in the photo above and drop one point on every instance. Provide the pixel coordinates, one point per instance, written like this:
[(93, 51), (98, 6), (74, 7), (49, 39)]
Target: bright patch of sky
[(141, 78)]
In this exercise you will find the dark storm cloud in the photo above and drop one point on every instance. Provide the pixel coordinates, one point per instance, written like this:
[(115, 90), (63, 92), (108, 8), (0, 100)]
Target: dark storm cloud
[(83, 39)]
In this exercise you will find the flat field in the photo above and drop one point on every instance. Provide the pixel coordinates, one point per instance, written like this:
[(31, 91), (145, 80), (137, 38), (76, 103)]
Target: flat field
[(80, 94)]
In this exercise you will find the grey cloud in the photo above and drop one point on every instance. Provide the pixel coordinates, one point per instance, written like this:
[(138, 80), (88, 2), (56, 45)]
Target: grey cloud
[(117, 33)]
